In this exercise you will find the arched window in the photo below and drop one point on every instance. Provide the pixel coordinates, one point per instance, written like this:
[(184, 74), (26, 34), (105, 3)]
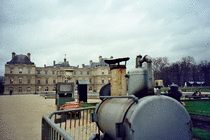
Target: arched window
[(20, 70)]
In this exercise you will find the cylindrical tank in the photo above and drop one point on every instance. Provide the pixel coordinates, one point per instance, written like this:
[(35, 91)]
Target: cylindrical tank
[(137, 82), (141, 79), (153, 117)]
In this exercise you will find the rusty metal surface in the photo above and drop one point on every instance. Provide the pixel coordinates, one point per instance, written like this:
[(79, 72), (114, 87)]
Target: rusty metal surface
[(118, 82)]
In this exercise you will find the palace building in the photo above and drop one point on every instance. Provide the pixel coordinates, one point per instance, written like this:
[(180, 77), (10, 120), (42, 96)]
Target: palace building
[(23, 77)]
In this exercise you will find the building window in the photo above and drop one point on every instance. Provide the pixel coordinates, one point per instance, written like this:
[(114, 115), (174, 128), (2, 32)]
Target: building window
[(11, 90), (66, 80), (20, 80), (11, 80), (28, 89), (37, 88), (45, 72), (29, 81), (46, 81), (54, 88), (53, 72), (88, 73), (39, 82), (20, 89), (102, 80), (102, 71), (20, 70), (11, 70), (46, 88), (90, 89), (38, 72), (54, 81), (29, 71), (90, 80), (81, 72), (74, 73)]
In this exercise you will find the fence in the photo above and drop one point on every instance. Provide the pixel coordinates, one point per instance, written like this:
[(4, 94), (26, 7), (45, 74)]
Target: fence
[(69, 124)]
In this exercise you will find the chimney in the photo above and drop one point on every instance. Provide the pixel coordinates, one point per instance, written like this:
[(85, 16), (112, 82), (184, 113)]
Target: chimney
[(29, 56), (83, 65), (54, 63), (111, 57), (13, 55), (91, 62), (117, 76), (100, 58)]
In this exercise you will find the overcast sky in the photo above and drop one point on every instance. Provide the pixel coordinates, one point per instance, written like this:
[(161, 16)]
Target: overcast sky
[(86, 29)]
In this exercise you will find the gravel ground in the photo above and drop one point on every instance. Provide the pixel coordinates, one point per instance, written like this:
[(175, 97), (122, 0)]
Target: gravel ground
[(21, 116)]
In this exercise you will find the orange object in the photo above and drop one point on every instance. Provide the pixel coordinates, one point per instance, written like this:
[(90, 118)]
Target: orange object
[(71, 105)]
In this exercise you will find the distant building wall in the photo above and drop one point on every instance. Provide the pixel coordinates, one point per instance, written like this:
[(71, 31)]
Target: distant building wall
[(23, 77)]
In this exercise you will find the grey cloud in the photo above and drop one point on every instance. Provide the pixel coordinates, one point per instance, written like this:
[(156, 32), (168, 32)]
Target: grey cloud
[(86, 29)]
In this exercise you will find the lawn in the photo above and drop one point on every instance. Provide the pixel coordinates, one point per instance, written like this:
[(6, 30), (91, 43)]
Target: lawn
[(201, 134), (198, 107), (88, 105), (190, 89)]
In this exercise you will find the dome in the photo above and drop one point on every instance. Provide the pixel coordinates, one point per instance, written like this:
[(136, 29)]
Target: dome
[(20, 59)]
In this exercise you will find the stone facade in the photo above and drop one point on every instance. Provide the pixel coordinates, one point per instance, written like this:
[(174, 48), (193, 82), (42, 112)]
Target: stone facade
[(23, 77)]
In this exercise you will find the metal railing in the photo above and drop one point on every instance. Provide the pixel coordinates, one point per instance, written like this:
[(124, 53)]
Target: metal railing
[(69, 124), (51, 131)]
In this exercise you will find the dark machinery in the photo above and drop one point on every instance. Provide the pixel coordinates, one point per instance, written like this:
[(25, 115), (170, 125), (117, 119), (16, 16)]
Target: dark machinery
[(141, 115), (64, 93)]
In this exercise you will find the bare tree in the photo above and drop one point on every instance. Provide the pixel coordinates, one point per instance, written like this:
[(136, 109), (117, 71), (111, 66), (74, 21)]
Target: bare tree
[(181, 71), (159, 64), (204, 68), (186, 65)]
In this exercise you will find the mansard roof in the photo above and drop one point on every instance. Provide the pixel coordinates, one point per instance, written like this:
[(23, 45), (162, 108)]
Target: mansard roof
[(63, 64), (20, 59), (97, 64)]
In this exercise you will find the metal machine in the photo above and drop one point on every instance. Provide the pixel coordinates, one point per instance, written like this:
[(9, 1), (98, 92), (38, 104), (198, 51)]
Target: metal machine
[(64, 93), (141, 114)]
